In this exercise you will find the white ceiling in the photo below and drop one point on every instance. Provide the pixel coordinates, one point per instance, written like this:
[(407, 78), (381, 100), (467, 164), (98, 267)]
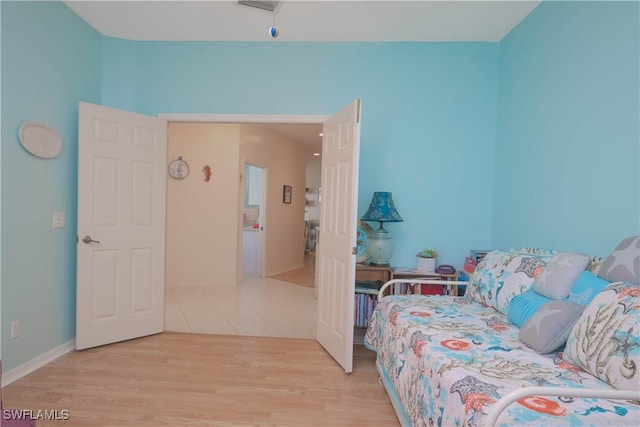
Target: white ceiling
[(305, 20)]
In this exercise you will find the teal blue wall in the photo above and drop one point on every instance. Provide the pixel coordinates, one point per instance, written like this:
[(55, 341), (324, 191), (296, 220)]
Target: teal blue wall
[(120, 73), (567, 154), (428, 115), (50, 61), (550, 114)]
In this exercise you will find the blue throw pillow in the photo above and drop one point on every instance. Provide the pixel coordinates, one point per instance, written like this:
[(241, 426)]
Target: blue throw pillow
[(523, 306), (586, 287)]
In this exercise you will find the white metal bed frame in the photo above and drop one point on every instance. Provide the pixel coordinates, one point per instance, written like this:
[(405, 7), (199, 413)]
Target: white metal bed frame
[(506, 400)]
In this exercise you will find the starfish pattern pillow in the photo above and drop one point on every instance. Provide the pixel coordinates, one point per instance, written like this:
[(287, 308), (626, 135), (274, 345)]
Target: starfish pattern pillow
[(623, 265), (548, 329), (558, 276)]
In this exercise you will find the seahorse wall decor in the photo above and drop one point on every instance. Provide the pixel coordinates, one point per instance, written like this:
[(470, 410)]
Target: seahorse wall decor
[(207, 173)]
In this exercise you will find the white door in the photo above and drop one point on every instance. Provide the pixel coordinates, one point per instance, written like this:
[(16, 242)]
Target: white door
[(338, 221), (121, 225)]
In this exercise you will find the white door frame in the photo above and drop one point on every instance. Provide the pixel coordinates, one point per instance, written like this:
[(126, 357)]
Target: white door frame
[(244, 118), (240, 119)]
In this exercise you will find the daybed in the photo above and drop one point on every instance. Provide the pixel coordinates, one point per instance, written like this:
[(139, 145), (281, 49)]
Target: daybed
[(497, 355)]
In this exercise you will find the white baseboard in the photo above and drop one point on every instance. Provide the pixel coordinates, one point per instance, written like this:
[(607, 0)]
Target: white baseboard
[(37, 362)]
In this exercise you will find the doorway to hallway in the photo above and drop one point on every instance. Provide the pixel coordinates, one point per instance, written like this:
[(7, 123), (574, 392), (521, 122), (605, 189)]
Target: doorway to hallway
[(254, 304)]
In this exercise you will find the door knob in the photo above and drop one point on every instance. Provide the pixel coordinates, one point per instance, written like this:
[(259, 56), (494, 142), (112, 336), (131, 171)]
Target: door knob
[(88, 239)]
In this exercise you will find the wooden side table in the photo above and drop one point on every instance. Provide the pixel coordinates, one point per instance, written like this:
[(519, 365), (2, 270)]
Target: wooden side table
[(408, 273), (373, 273)]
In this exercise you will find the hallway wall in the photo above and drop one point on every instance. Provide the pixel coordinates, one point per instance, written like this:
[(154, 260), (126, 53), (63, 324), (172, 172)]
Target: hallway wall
[(202, 217)]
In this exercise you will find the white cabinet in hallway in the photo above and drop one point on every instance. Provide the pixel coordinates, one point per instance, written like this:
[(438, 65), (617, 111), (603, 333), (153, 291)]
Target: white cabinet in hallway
[(250, 251)]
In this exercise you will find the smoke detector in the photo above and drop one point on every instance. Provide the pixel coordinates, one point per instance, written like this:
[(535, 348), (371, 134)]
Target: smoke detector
[(270, 6)]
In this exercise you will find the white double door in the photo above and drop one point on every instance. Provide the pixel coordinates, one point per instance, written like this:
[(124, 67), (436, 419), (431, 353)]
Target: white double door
[(121, 225), (121, 228), (335, 253)]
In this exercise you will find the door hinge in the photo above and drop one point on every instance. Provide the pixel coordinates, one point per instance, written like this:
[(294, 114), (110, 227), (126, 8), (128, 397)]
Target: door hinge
[(354, 251), (358, 112)]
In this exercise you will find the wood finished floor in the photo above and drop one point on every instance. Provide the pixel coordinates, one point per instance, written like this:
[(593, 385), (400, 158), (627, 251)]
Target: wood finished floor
[(174, 379), (303, 276)]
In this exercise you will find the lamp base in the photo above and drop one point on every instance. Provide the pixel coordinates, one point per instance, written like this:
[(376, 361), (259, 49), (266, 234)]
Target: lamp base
[(381, 247), (379, 264)]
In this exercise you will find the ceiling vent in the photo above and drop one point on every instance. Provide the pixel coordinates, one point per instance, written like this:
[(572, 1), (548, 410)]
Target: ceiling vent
[(260, 4)]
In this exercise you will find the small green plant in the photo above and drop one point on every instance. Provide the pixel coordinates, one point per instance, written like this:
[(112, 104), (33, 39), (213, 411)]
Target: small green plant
[(427, 253)]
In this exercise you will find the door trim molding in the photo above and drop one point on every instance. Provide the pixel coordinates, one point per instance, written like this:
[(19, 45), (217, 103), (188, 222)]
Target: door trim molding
[(244, 118)]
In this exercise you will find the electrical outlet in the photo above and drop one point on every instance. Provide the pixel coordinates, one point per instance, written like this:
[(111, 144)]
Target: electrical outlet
[(15, 329)]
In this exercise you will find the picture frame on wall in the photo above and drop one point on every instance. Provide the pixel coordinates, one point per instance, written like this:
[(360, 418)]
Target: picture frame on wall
[(286, 194)]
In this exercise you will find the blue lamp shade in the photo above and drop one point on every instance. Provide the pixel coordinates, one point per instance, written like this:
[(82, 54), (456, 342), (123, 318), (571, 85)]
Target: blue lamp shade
[(381, 245), (382, 209)]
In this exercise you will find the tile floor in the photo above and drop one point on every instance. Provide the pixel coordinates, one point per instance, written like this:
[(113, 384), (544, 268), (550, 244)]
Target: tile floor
[(258, 307)]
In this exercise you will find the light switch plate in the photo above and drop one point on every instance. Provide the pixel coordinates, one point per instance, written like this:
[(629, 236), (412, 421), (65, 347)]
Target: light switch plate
[(15, 329), (58, 219)]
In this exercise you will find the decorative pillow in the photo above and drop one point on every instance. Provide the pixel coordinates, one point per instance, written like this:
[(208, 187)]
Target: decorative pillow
[(479, 282), (522, 307), (502, 275), (548, 329), (606, 340), (534, 251), (595, 264), (586, 287), (559, 274), (623, 265)]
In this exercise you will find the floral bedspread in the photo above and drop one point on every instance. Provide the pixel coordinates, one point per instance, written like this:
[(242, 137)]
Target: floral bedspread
[(448, 368)]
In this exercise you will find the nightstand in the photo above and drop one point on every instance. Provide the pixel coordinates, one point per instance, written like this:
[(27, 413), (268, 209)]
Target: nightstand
[(369, 278), (372, 273)]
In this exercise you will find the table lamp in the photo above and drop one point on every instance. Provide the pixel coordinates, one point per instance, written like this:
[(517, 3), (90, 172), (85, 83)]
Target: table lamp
[(381, 243)]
